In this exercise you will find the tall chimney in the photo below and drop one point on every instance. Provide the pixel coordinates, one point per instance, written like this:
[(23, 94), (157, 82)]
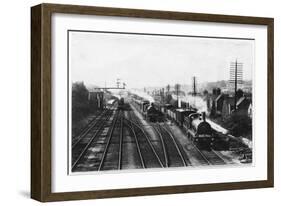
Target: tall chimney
[(179, 102), (204, 116)]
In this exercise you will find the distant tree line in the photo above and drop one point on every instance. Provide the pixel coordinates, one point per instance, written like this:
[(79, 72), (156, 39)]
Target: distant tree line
[(80, 103), (239, 125)]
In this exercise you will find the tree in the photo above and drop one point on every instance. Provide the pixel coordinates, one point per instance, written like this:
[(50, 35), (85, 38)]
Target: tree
[(213, 109), (168, 99), (168, 88), (239, 93), (79, 92), (214, 91), (239, 125), (205, 92), (80, 106), (218, 91), (177, 89)]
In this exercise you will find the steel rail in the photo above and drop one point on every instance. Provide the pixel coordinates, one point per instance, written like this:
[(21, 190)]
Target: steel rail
[(205, 157), (219, 156), (108, 141), (120, 143), (90, 142), (98, 115), (202, 155), (175, 144), (83, 133), (210, 159), (163, 146), (148, 140), (137, 144)]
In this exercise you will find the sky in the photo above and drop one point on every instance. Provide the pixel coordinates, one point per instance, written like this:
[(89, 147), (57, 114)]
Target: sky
[(153, 60)]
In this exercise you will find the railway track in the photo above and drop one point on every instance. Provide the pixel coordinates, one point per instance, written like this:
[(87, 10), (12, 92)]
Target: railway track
[(110, 151), (88, 128), (90, 120), (213, 158), (115, 142), (80, 148), (158, 144), (173, 155), (207, 157), (148, 155), (112, 154), (133, 138)]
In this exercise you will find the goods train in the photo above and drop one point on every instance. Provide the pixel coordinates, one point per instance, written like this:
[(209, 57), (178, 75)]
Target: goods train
[(192, 122)]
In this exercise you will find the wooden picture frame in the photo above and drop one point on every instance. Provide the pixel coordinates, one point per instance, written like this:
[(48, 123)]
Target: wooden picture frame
[(41, 97)]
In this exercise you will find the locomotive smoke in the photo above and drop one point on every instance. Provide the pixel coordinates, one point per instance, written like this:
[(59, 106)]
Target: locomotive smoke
[(143, 95), (195, 101)]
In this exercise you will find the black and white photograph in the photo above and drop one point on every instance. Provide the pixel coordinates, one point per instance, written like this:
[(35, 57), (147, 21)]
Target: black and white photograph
[(157, 101)]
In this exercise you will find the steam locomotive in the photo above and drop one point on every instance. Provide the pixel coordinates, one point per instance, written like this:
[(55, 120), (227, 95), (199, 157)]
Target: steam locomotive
[(198, 129)]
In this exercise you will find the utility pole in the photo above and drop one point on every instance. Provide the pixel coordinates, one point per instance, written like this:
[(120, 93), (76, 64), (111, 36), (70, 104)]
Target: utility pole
[(194, 86), (236, 77), (168, 89), (162, 95), (117, 85), (177, 89)]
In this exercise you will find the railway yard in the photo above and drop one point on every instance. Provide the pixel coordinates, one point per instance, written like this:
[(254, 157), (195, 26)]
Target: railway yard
[(124, 138)]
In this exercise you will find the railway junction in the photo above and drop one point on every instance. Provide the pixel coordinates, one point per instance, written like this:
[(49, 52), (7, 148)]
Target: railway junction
[(123, 138)]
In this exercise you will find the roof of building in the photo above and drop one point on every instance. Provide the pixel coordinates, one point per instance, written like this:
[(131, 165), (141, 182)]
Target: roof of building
[(213, 97), (229, 100), (217, 127), (111, 101), (218, 97), (240, 101), (180, 110), (95, 90), (151, 109)]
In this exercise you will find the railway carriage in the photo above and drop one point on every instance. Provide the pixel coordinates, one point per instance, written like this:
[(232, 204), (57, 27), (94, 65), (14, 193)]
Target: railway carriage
[(111, 102), (144, 106), (165, 107), (171, 114), (181, 114), (141, 105)]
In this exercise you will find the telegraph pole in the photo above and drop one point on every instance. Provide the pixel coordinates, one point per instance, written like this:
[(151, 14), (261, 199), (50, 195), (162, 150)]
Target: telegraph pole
[(194, 86), (168, 89), (236, 77), (118, 82), (177, 90), (162, 95)]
